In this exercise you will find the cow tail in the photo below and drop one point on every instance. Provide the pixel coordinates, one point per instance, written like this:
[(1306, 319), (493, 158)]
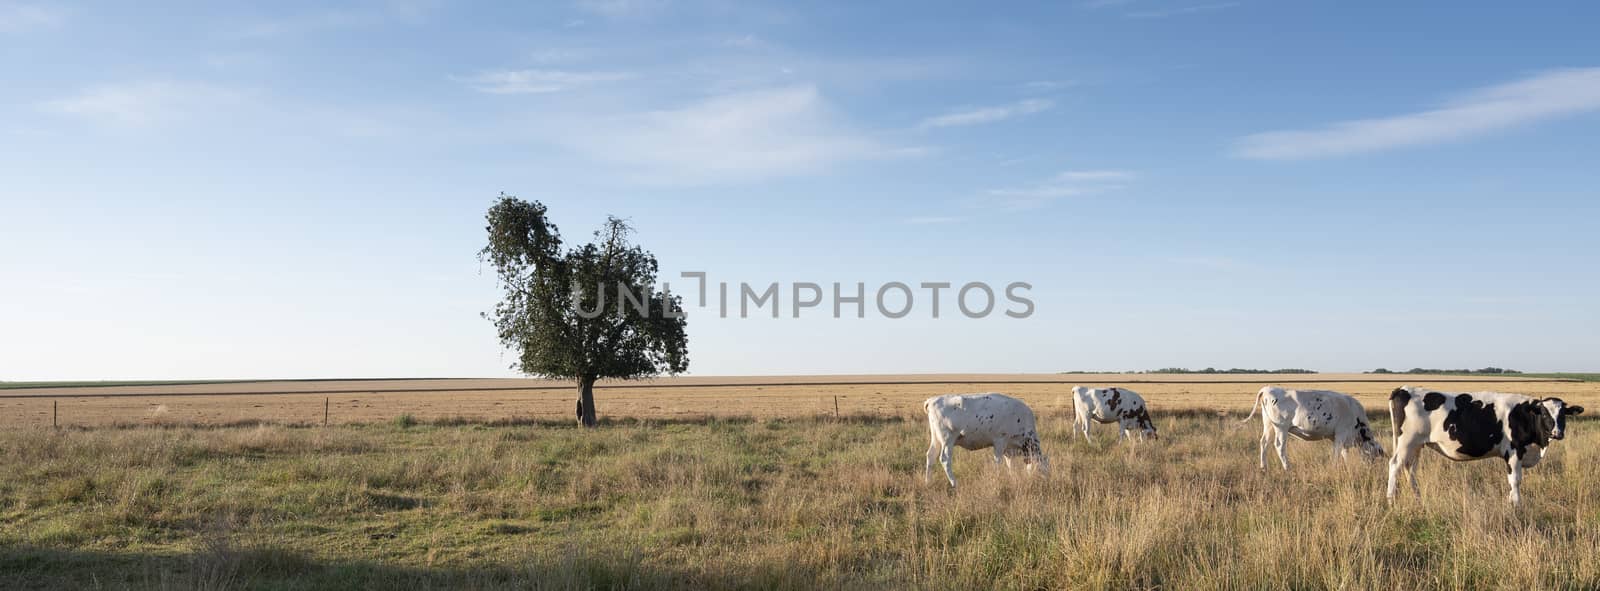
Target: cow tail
[(1253, 408), (1397, 416)]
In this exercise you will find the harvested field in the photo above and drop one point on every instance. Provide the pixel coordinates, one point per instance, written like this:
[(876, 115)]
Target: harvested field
[(364, 401)]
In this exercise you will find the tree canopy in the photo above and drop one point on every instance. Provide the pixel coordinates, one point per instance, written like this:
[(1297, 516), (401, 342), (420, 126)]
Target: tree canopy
[(587, 313)]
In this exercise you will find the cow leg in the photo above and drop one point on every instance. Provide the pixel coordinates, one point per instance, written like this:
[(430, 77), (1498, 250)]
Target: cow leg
[(1282, 443), (1404, 458), (999, 452), (1514, 476), (1266, 436), (933, 454), (1396, 461), (1411, 471), (945, 456), (1338, 448)]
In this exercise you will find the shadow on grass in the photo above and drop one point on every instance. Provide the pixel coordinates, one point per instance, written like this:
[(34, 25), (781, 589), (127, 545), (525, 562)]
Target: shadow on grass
[(26, 567)]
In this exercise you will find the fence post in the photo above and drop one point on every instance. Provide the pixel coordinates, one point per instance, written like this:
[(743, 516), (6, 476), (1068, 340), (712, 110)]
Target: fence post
[(836, 407), (325, 412), (55, 411)]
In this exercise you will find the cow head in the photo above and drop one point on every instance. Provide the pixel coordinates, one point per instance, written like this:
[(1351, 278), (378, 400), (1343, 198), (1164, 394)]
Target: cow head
[(1033, 456), (1553, 420), (1147, 428), (1367, 443)]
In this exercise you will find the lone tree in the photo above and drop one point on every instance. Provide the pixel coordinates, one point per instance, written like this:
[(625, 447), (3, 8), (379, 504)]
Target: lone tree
[(585, 314)]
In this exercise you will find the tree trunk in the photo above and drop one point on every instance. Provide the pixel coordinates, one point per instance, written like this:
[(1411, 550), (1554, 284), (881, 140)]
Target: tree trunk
[(586, 402)]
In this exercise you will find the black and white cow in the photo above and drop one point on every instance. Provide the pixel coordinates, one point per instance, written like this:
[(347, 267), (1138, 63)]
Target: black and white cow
[(1111, 405), (1514, 428), (979, 421), (1313, 415)]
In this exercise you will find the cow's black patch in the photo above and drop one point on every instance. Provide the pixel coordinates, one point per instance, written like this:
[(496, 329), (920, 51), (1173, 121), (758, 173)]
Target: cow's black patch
[(1432, 401), (1473, 425), (1140, 416), (1398, 399), (1530, 425)]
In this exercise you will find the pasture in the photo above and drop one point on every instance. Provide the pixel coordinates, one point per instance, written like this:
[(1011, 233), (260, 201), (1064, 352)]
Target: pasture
[(755, 486)]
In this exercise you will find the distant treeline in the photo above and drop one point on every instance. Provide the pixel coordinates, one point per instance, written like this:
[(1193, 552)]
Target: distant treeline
[(1209, 370), (1229, 370), (1486, 370)]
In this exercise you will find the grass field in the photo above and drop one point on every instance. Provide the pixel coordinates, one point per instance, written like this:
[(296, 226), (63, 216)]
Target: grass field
[(772, 502)]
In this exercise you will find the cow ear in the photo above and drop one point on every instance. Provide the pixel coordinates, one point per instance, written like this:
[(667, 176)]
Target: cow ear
[(1574, 410)]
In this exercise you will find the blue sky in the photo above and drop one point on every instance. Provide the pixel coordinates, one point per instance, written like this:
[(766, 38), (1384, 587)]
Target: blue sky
[(296, 189)]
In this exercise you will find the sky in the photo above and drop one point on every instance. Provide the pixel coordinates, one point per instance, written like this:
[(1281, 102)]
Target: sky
[(297, 189)]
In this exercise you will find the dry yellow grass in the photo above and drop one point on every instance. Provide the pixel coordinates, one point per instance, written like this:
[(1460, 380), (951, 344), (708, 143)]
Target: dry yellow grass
[(676, 398), (764, 504)]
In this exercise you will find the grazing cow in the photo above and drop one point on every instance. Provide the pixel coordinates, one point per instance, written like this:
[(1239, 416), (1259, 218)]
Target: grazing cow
[(978, 421), (1515, 428), (1112, 405), (1313, 415)]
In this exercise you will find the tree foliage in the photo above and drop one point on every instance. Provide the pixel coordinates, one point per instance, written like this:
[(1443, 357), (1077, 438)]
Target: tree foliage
[(586, 313)]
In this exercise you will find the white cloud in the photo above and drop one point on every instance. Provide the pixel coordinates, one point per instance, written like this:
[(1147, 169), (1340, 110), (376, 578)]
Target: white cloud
[(1094, 4), (16, 17), (987, 114), (1544, 96), (367, 15), (537, 81), (1072, 183), (622, 8), (1047, 85), (746, 41), (930, 220), (559, 55), (1095, 175), (1182, 10), (728, 138), (1217, 263), (147, 103)]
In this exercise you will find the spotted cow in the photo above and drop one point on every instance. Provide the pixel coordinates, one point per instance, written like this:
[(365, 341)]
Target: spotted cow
[(979, 421), (1313, 415), (1111, 405), (1513, 428)]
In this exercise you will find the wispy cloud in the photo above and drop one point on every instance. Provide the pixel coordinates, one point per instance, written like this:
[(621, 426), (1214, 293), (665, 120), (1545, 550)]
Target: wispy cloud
[(1215, 263), (930, 220), (987, 114), (622, 8), (1544, 96), (373, 14), (17, 17), (1095, 175), (559, 55), (1182, 10), (1046, 85), (1096, 4), (537, 81), (1072, 183), (141, 104), (729, 138)]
